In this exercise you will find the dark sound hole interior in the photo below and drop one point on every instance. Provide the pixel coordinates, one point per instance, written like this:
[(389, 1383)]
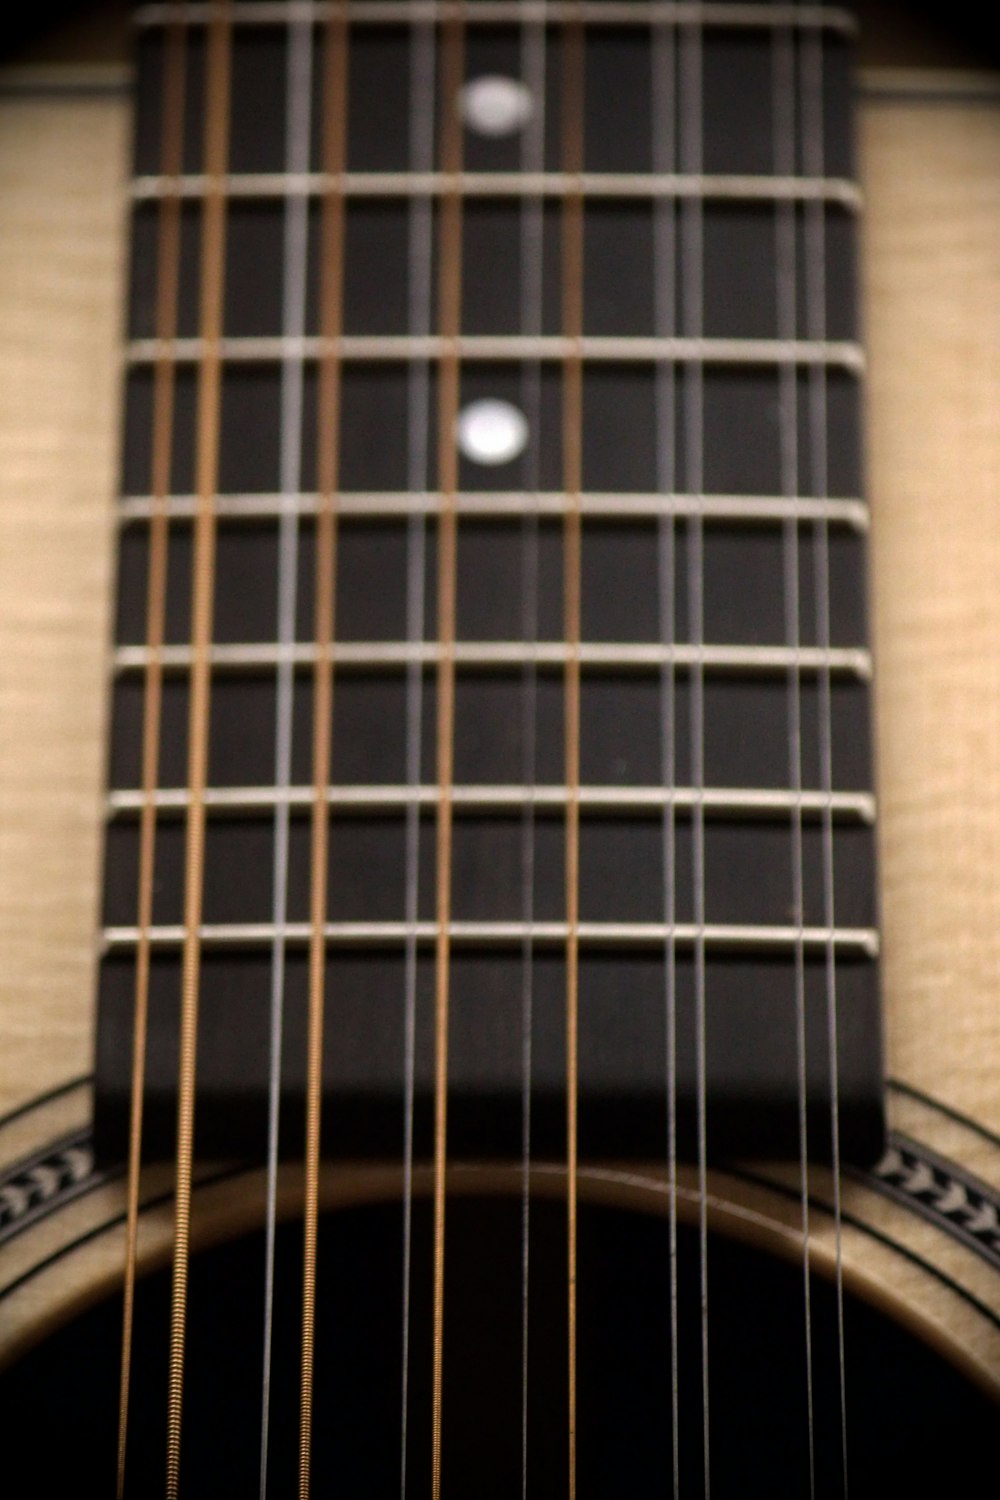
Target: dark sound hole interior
[(906, 1410)]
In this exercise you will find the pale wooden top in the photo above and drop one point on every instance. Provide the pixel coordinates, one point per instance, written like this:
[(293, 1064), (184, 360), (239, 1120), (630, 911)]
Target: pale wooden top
[(932, 178), (62, 165)]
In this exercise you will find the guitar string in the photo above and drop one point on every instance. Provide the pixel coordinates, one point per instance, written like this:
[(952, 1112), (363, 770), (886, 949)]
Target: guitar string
[(161, 458), (209, 398), (298, 76), (328, 414), (449, 318), (692, 296), (784, 125), (572, 439), (814, 161), (420, 252), (664, 149), (531, 256)]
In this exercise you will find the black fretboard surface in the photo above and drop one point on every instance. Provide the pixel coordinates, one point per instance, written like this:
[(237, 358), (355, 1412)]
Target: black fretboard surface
[(726, 808)]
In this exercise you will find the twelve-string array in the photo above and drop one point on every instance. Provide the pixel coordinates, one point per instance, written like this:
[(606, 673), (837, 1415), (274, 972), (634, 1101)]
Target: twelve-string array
[(469, 801)]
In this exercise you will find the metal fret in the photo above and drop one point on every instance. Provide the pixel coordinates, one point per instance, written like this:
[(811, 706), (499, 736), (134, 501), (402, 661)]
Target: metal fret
[(762, 509), (720, 936), (652, 185), (507, 12), (854, 662), (471, 347), (733, 801)]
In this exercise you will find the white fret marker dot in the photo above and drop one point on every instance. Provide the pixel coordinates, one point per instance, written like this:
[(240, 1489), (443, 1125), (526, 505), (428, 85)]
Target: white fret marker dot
[(495, 106), (491, 432)]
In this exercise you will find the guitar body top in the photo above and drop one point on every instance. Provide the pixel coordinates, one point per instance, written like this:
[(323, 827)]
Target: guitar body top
[(919, 1236)]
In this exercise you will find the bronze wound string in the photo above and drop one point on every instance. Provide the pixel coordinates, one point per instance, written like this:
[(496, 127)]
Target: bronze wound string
[(327, 481), (206, 485), (167, 284)]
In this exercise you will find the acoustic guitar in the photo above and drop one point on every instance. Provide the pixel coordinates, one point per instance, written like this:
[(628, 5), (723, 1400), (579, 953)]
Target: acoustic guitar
[(469, 1023)]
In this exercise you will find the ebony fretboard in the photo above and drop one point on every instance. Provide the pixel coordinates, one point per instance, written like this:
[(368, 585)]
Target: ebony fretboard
[(726, 886)]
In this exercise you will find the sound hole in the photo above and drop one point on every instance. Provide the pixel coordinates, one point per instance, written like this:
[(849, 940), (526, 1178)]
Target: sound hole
[(905, 1407)]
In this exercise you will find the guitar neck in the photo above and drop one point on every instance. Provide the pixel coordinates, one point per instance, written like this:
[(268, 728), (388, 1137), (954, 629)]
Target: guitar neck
[(491, 644)]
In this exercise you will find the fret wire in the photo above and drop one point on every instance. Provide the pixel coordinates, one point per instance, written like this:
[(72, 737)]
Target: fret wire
[(505, 12), (216, 147), (725, 937), (497, 504), (639, 656), (452, 64), (328, 411), (735, 801), (624, 185), (500, 349), (167, 293)]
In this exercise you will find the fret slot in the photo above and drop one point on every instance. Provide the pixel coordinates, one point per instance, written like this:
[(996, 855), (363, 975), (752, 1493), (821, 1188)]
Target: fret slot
[(746, 733), (741, 452), (369, 738), (744, 587), (379, 108), (736, 86), (255, 251), (241, 739), (495, 584), (623, 881), (749, 874), (145, 229), (617, 102), (492, 235), (138, 430), (746, 724), (491, 726), (497, 50), (738, 267), (376, 269), (258, 98)]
